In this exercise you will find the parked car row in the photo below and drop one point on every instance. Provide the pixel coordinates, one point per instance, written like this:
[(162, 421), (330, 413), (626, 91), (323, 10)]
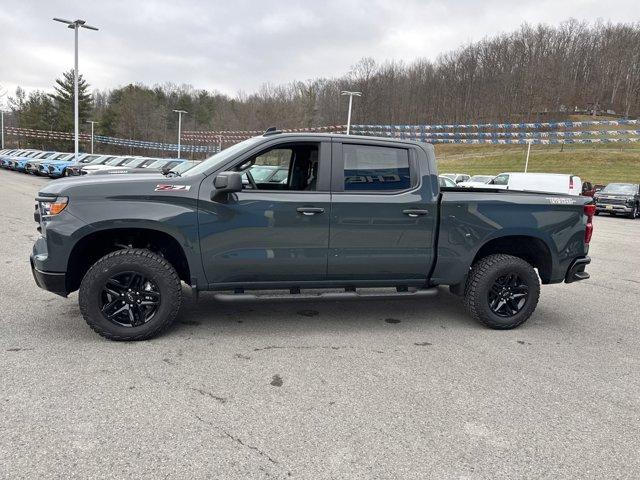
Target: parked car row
[(60, 164)]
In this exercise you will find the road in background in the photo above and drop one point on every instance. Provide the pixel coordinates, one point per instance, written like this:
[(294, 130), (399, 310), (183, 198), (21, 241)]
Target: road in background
[(372, 389)]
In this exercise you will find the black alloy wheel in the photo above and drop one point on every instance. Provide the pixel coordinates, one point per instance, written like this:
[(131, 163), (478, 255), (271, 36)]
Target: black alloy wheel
[(502, 291), (129, 299), (508, 295)]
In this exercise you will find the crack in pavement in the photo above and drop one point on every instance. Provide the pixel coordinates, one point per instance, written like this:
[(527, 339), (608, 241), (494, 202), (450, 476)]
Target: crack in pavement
[(210, 395), (241, 442)]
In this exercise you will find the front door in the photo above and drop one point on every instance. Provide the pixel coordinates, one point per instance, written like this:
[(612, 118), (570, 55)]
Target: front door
[(276, 230), (383, 215)]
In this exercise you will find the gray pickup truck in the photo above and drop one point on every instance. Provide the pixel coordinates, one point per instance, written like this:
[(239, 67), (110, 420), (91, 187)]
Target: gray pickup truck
[(347, 213)]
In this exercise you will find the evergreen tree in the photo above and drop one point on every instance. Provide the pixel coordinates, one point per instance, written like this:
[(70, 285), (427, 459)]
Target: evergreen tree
[(63, 100)]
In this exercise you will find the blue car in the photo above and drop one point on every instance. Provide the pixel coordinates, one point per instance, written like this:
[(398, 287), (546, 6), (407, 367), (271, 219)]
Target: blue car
[(17, 161), (32, 165), (58, 168), (8, 159), (20, 163), (5, 155)]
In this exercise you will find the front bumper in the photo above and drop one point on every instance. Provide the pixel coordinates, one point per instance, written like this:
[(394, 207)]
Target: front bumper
[(54, 282), (576, 272)]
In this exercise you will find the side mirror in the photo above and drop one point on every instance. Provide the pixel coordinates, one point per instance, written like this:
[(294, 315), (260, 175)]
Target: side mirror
[(228, 182)]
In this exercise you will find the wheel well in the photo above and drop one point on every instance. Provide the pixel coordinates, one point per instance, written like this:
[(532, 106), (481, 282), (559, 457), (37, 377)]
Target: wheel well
[(530, 249), (96, 245)]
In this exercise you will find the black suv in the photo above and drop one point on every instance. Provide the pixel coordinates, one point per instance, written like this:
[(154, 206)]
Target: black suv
[(619, 198)]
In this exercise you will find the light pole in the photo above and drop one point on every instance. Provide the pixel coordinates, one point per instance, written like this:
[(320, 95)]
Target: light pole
[(351, 95), (92, 124), (526, 163), (2, 128), (75, 25), (179, 112)]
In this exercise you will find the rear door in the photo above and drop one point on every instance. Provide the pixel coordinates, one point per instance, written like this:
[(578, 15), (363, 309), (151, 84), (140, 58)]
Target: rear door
[(383, 212)]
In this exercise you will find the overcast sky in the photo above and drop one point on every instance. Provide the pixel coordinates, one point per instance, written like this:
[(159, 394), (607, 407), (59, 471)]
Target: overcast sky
[(235, 45)]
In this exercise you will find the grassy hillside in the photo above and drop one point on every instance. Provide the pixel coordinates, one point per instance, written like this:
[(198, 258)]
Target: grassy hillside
[(596, 163)]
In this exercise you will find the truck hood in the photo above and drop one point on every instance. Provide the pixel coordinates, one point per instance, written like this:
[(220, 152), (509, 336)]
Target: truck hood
[(107, 185), (613, 196)]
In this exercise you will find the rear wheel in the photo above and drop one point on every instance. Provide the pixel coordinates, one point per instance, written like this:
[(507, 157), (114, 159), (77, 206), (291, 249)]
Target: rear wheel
[(130, 294), (502, 291)]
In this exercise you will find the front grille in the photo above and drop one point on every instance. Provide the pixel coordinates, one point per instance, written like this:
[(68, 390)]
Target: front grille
[(51, 169), (612, 201)]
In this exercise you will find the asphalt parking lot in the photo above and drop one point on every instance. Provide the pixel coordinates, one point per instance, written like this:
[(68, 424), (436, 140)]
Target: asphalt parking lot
[(377, 389)]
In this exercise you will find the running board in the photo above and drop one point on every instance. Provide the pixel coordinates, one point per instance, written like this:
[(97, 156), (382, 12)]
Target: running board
[(347, 294)]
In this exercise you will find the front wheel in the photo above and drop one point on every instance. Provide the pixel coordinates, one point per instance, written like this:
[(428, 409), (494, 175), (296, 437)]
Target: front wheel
[(130, 294), (634, 212), (502, 291)]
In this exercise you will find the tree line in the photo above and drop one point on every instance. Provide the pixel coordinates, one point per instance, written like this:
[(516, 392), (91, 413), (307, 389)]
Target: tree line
[(536, 73)]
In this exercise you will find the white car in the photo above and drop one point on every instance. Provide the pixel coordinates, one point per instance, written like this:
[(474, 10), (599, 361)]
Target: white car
[(538, 182), (456, 177), (118, 164), (477, 181)]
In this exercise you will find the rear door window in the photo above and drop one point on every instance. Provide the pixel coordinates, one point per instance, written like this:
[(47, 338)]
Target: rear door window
[(374, 168)]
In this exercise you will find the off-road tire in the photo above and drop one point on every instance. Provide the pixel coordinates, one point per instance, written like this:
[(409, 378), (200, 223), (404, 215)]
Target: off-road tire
[(151, 265), (481, 278)]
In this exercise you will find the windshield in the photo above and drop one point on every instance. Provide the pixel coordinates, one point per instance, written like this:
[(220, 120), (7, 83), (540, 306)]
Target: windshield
[(160, 163), (446, 181), (620, 189), (480, 178), (221, 157)]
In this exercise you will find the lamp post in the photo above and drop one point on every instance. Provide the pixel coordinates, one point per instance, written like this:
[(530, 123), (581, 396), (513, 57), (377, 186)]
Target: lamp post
[(92, 124), (351, 95), (2, 128), (179, 112), (75, 25), (526, 162)]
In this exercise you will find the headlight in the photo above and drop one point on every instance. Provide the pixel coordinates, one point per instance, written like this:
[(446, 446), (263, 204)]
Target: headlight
[(49, 209)]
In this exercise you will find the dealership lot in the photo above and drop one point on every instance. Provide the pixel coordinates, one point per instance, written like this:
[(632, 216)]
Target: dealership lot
[(378, 389)]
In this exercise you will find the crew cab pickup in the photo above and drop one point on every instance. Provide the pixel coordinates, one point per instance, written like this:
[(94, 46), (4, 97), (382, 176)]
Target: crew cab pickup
[(359, 214)]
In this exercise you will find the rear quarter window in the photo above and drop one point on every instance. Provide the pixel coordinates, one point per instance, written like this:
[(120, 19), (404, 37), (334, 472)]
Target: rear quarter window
[(373, 168)]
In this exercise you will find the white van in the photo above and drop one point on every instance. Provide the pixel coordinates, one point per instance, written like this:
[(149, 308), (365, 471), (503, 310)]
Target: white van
[(538, 182)]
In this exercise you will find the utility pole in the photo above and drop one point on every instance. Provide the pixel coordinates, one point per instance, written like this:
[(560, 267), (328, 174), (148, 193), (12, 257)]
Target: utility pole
[(179, 112), (75, 25), (526, 163), (351, 95), (92, 124), (219, 143)]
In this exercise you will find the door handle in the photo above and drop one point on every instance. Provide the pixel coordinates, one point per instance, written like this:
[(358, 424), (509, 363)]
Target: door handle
[(309, 210), (415, 213)]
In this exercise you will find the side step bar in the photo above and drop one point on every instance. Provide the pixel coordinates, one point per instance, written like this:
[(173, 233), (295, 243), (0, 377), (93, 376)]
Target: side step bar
[(347, 294)]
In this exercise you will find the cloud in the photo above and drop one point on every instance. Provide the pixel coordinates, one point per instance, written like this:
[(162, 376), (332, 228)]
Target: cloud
[(233, 46)]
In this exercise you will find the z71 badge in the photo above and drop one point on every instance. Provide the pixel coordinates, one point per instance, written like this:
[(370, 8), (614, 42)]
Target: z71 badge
[(173, 188)]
